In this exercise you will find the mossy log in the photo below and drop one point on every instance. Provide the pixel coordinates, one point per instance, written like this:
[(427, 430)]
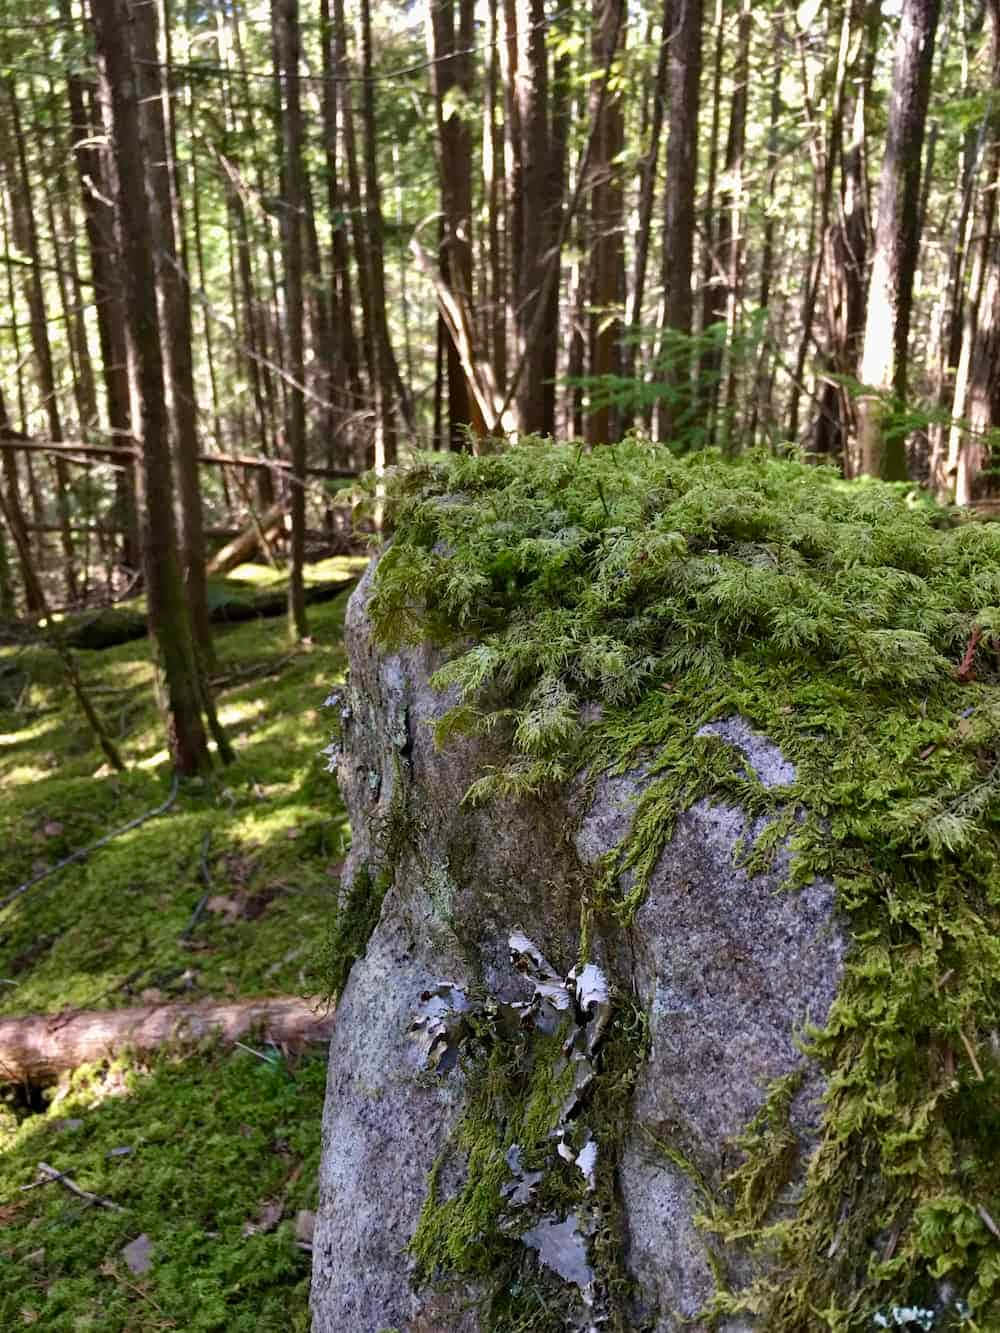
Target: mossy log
[(38, 1047), (117, 624)]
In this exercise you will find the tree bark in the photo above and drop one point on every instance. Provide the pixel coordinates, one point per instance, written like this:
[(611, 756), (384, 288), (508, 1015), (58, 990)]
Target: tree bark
[(26, 236), (287, 22), (607, 258), (168, 613), (890, 295), (173, 297), (682, 20)]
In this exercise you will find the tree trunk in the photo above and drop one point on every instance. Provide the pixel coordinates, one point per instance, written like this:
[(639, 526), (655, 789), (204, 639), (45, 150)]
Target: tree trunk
[(26, 237), (731, 243), (648, 165), (385, 373), (977, 372), (451, 80), (175, 312), (890, 295), (607, 258), (287, 24), (682, 21), (531, 90), (168, 613)]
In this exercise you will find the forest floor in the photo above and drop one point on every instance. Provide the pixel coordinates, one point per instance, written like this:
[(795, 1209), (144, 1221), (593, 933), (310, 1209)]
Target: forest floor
[(211, 1155)]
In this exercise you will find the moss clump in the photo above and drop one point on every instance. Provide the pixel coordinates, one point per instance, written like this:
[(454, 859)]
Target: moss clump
[(858, 634), (357, 916)]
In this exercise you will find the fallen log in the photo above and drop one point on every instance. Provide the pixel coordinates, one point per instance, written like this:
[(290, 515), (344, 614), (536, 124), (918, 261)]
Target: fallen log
[(253, 535), (40, 1046), (119, 624)]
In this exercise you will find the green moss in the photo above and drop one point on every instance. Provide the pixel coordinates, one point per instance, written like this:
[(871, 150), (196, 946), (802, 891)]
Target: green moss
[(216, 1135), (357, 916), (192, 1150), (834, 620)]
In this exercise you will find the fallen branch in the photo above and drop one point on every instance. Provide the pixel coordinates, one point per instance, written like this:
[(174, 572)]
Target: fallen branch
[(50, 1173), (84, 852), (42, 1045), (245, 543)]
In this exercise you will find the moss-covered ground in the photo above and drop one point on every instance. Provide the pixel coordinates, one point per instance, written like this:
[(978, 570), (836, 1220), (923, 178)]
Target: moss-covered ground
[(216, 1138)]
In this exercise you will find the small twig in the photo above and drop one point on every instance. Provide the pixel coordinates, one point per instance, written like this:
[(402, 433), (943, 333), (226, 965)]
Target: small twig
[(110, 1270), (963, 671), (972, 1056), (206, 879), (52, 1174), (266, 1058), (264, 669), (988, 1221), (45, 1180), (84, 852)]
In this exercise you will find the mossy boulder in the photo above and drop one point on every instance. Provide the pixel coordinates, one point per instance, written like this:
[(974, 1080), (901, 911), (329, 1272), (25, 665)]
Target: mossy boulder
[(677, 782)]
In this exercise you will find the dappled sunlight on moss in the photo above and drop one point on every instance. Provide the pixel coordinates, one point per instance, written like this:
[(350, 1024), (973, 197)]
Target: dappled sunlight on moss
[(191, 1149)]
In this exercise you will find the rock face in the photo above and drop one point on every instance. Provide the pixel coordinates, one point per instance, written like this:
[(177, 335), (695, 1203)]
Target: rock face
[(727, 969)]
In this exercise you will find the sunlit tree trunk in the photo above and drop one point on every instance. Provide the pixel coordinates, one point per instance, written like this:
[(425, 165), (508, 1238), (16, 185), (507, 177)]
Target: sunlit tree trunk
[(606, 251), (682, 25), (175, 307), (890, 295)]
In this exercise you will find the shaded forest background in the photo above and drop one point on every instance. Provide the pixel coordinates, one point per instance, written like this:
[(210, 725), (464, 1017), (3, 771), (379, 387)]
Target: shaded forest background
[(250, 251)]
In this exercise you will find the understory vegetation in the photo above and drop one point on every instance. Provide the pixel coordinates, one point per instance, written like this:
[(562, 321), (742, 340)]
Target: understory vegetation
[(857, 629), (228, 894)]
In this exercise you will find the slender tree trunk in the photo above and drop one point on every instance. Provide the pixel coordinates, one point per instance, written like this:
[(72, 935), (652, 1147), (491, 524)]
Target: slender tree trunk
[(96, 189), (607, 222), (648, 166), (175, 312), (168, 614), (682, 22), (385, 371), (825, 152), (760, 411), (451, 78), (34, 600), (531, 92), (287, 23), (731, 245), (26, 236), (709, 361), (344, 380), (890, 295), (493, 177), (977, 382)]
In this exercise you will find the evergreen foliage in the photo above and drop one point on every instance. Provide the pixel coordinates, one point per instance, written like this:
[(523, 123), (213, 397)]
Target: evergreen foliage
[(860, 634)]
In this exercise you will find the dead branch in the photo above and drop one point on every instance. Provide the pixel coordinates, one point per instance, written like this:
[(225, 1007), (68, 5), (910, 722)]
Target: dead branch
[(50, 1173)]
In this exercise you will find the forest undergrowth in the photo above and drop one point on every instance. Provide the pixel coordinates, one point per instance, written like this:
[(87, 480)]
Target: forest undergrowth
[(211, 1154)]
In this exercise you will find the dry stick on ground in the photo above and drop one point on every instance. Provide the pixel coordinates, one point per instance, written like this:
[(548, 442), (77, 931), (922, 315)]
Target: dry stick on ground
[(206, 879), (50, 1174), (40, 1046), (84, 852)]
